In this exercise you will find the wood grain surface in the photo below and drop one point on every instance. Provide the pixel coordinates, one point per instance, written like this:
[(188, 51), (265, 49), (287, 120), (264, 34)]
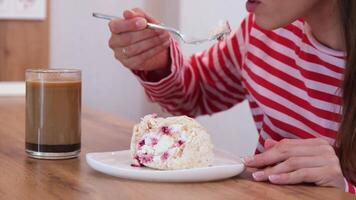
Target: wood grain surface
[(25, 178), (23, 44)]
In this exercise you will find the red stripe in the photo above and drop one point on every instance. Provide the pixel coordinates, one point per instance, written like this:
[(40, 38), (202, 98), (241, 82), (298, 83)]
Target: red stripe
[(212, 68), (229, 74), (211, 96), (261, 141), (351, 188), (284, 93), (236, 49), (253, 104), (295, 29), (231, 71), (271, 133), (211, 106), (257, 152), (208, 79), (310, 75), (258, 118), (302, 54), (206, 73), (250, 23), (243, 29), (289, 128), (283, 109), (291, 62)]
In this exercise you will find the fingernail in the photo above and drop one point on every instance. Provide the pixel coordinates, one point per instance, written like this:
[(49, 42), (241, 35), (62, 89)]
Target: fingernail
[(258, 176), (274, 178), (247, 159), (141, 23)]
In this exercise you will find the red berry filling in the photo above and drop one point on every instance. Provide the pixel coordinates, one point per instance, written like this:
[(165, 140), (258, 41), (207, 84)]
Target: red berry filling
[(180, 143), (165, 130), (146, 158), (165, 156), (141, 143), (137, 158), (154, 141), (134, 165)]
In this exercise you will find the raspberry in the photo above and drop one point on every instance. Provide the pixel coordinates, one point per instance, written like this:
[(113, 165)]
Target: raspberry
[(154, 141), (141, 143), (166, 130), (165, 156), (180, 143)]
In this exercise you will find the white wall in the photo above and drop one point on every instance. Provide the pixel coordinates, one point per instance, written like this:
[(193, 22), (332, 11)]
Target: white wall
[(78, 40)]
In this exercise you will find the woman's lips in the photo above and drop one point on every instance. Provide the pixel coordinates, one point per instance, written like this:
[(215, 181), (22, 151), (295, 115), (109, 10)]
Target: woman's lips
[(251, 5)]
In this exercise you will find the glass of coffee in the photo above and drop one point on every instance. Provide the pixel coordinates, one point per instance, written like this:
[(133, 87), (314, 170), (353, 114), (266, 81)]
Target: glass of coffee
[(53, 113)]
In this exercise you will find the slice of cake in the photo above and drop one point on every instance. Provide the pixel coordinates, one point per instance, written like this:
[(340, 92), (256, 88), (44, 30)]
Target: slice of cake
[(170, 143)]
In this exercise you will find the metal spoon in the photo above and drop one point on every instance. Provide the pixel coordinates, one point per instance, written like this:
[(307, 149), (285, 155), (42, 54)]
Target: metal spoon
[(219, 34)]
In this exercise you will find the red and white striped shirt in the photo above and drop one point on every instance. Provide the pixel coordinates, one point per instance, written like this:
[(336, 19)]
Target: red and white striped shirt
[(291, 81)]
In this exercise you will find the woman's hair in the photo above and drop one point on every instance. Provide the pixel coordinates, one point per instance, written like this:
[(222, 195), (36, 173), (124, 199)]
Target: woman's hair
[(346, 140)]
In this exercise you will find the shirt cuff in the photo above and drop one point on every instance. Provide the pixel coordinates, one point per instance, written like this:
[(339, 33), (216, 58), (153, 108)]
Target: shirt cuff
[(349, 187)]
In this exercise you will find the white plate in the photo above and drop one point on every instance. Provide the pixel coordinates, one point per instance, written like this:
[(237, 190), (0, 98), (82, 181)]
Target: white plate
[(119, 164)]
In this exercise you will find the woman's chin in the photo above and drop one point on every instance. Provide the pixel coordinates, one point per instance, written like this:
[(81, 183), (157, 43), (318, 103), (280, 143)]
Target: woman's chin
[(266, 24)]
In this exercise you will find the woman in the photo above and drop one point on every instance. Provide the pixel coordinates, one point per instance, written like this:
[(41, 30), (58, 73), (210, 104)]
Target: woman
[(294, 61)]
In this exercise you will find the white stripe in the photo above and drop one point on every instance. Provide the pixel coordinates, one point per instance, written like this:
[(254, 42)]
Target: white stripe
[(282, 133), (221, 73), (325, 105), (347, 189), (219, 87), (234, 70), (326, 123), (193, 82), (327, 88), (265, 135), (279, 115), (260, 148), (256, 111), (259, 125), (229, 44), (305, 47), (205, 104), (298, 24)]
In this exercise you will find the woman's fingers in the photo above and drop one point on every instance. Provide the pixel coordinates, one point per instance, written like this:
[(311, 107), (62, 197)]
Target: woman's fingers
[(286, 149), (269, 143), (293, 164), (136, 62), (309, 175), (119, 25), (126, 39), (142, 13), (144, 45), (136, 46)]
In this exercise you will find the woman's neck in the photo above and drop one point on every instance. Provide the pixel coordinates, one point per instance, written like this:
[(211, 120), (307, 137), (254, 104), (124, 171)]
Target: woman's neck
[(326, 26)]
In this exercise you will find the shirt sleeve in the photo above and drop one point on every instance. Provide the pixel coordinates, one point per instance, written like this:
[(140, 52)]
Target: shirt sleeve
[(350, 187), (206, 82)]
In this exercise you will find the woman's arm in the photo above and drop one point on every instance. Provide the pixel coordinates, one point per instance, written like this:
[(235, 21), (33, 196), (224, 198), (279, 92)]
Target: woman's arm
[(205, 83)]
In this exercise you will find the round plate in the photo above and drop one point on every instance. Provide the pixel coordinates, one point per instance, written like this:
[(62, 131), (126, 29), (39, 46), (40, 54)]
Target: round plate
[(119, 164)]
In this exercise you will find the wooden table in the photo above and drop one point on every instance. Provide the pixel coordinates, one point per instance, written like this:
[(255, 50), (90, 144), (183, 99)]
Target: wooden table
[(24, 178)]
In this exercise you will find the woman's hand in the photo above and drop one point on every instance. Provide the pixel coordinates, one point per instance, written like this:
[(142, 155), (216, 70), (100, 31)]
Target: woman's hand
[(137, 47), (293, 161)]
